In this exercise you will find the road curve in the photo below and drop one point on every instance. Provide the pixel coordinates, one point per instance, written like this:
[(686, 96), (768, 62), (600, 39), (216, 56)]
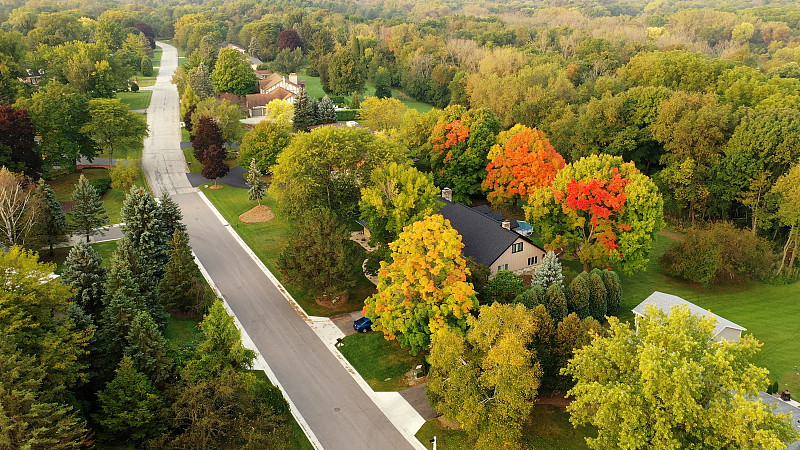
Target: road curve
[(338, 411)]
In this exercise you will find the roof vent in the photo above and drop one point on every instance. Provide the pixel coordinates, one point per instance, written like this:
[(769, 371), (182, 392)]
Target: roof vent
[(447, 194)]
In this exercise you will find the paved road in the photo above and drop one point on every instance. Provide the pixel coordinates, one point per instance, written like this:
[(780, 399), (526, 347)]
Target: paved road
[(338, 411)]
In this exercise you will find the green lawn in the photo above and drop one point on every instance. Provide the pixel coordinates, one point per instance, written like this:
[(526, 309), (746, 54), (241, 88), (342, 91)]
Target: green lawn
[(63, 185), (267, 239), (103, 249), (183, 332), (135, 100), (383, 364), (191, 161)]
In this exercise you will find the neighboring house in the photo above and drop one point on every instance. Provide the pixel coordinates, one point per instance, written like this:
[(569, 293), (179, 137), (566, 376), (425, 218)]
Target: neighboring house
[(488, 237), (256, 104), (278, 81), (724, 328), (254, 62), (262, 74), (238, 48), (784, 407)]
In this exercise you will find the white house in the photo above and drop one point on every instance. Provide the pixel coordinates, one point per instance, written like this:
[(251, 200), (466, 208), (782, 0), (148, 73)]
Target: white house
[(724, 329)]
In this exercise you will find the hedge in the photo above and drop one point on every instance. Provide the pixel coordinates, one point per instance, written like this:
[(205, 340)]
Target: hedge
[(346, 115)]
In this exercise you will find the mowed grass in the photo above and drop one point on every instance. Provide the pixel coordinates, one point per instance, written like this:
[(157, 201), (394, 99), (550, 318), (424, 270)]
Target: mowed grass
[(59, 256), (135, 100), (183, 332), (267, 239), (63, 185), (383, 364)]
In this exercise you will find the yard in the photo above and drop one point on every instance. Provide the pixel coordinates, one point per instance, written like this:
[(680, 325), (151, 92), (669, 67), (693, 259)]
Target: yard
[(135, 100), (63, 185), (382, 364), (103, 249), (267, 239)]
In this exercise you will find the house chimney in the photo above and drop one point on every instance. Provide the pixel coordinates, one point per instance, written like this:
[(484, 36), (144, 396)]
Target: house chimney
[(507, 224), (293, 78), (447, 194)]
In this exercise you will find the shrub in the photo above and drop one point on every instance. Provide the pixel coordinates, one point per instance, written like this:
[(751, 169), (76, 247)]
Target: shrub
[(124, 174), (134, 87), (345, 115), (504, 287), (719, 253), (101, 185), (578, 295)]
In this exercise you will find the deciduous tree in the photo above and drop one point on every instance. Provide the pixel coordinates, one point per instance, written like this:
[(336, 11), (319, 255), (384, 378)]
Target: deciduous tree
[(214, 163), (224, 113), (232, 73), (20, 209), (503, 288), (787, 189), (112, 126), (262, 144), (206, 135), (18, 151), (280, 113), (382, 114)]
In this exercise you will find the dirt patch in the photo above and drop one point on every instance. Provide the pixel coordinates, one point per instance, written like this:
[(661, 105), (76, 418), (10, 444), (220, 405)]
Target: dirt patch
[(447, 423), (411, 380), (331, 301), (257, 214), (672, 235), (555, 398), (215, 186)]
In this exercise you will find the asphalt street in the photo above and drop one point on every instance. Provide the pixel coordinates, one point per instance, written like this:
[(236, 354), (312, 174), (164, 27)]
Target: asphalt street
[(338, 411)]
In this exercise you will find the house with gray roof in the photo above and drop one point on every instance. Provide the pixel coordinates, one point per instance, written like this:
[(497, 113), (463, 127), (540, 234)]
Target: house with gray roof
[(724, 328)]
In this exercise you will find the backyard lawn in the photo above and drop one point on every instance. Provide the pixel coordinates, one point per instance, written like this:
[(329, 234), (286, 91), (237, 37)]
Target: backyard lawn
[(267, 239), (103, 249), (63, 185), (383, 364), (135, 100)]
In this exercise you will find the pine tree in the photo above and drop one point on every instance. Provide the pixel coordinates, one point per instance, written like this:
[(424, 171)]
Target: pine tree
[(200, 82), (327, 110), (88, 212), (578, 295), (548, 272), (613, 291), (170, 216), (304, 116), (130, 407), (180, 275), (556, 302), (144, 229), (257, 185), (254, 49), (214, 164), (84, 271), (316, 110), (53, 223), (147, 349), (355, 103), (598, 303)]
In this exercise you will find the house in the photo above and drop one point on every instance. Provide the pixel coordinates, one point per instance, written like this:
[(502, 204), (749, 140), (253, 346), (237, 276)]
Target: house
[(278, 81), (254, 62), (262, 74), (256, 104), (272, 87), (489, 238), (724, 329)]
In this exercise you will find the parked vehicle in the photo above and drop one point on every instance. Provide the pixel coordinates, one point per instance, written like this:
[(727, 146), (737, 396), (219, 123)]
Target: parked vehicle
[(363, 325)]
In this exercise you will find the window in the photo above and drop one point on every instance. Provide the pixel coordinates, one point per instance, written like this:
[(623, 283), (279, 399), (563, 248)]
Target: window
[(533, 260), (502, 267), (516, 248)]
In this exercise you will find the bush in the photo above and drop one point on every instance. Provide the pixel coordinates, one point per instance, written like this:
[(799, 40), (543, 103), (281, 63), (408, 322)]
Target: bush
[(101, 185), (337, 100), (124, 174), (503, 288), (346, 115), (134, 87), (719, 253)]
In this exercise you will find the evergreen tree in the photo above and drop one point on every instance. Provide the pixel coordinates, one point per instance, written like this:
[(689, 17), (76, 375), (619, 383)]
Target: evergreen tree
[(130, 407), (383, 83), (181, 275), (578, 295), (53, 223), (531, 297), (146, 66), (504, 287), (327, 111), (200, 81), (84, 271), (257, 185), (304, 116), (314, 106), (254, 49), (214, 164), (88, 212), (147, 349), (598, 303), (548, 272), (170, 216), (123, 302), (613, 291), (144, 229), (556, 302), (355, 103)]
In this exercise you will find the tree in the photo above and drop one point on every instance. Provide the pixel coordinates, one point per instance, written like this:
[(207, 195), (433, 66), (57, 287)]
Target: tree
[(88, 212), (355, 103), (579, 295), (189, 101), (206, 135), (148, 32), (288, 61), (224, 113), (112, 125), (254, 49), (382, 114), (201, 82), (345, 73), (262, 144), (20, 209), (548, 272), (326, 110), (289, 39), (697, 392), (601, 211), (613, 291), (146, 66), (424, 288), (572, 333), (232, 73), (18, 150), (304, 115), (170, 216), (280, 113), (214, 163), (256, 184), (598, 303), (397, 196), (503, 288), (130, 407), (787, 190), (147, 349), (124, 174), (52, 223), (323, 239), (178, 289), (522, 161), (84, 271), (143, 229), (327, 167), (487, 380), (383, 83)]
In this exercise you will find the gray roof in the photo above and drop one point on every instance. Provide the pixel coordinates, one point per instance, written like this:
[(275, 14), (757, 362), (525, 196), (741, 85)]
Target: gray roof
[(665, 302), (784, 408), (484, 238), (496, 215)]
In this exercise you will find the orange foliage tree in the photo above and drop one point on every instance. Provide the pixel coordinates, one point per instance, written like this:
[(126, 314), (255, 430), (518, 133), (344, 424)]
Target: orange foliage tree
[(522, 161)]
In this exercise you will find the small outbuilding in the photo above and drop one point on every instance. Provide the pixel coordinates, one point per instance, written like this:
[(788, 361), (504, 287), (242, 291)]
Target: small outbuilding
[(724, 329)]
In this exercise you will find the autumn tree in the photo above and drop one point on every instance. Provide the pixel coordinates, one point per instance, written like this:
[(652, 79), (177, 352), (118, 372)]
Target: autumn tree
[(17, 144), (601, 211), (206, 135), (280, 113), (671, 384), (232, 73), (397, 196), (225, 114), (112, 126), (487, 380), (214, 163), (88, 212), (522, 161), (289, 39), (262, 144), (382, 114), (424, 288)]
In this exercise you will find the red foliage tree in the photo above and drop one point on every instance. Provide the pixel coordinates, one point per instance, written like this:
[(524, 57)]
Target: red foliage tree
[(17, 142), (214, 163), (206, 135), (289, 39), (522, 161), (148, 32)]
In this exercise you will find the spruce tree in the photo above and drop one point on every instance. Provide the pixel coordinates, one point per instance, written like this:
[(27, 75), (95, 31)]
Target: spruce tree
[(254, 181), (327, 110), (531, 297), (144, 229), (53, 223), (200, 81), (548, 272), (126, 262), (304, 116), (170, 216), (84, 271), (130, 406), (613, 291), (147, 349), (181, 274), (556, 302), (254, 49), (88, 212), (578, 295), (315, 109), (123, 302), (598, 303)]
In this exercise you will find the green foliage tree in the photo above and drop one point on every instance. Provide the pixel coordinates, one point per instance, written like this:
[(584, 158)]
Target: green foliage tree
[(170, 216), (84, 271), (178, 289), (548, 272), (488, 379), (613, 291), (189, 101), (257, 186), (579, 295), (147, 349), (572, 333), (397, 196), (201, 82), (124, 174), (355, 102), (598, 302), (288, 60), (146, 66), (304, 114), (697, 391), (144, 230), (263, 144), (123, 302), (503, 288), (52, 221), (787, 191), (232, 73), (88, 212), (556, 302), (382, 114), (383, 83), (226, 116), (254, 49), (112, 126), (345, 73), (424, 288)]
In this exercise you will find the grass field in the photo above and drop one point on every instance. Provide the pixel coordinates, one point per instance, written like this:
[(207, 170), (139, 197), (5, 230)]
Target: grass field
[(103, 249), (383, 364), (267, 239), (63, 186), (135, 100)]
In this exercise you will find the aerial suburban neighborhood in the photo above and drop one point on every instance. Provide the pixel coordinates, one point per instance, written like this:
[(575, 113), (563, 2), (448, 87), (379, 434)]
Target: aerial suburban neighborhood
[(400, 225)]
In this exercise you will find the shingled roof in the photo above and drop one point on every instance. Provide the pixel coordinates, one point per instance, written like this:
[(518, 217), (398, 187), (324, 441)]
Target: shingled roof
[(254, 100), (484, 238), (665, 302)]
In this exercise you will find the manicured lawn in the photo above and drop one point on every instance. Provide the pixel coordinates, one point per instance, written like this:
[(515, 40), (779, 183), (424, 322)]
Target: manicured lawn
[(267, 239), (383, 364), (183, 332), (135, 100), (103, 249), (191, 161), (63, 186)]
